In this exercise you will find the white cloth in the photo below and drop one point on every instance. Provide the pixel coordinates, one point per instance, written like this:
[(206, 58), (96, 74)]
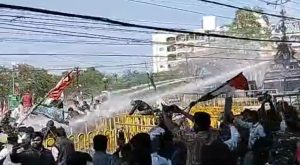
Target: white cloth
[(4, 154), (156, 132), (234, 138), (158, 160), (54, 152)]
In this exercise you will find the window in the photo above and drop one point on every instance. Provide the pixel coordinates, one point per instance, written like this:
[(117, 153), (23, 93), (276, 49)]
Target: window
[(169, 65), (161, 66), (181, 37), (171, 48), (181, 55), (161, 49), (171, 57), (171, 39), (191, 36)]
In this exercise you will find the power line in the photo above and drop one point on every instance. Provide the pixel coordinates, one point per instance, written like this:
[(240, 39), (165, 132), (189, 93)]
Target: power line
[(94, 23), (128, 55), (67, 33), (74, 26), (103, 19), (126, 44), (176, 8), (245, 9)]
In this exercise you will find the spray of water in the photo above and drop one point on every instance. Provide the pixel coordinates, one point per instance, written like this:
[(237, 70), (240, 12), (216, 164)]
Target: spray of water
[(118, 103)]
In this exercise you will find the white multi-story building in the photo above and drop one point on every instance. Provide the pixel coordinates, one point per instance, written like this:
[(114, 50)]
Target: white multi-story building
[(170, 50)]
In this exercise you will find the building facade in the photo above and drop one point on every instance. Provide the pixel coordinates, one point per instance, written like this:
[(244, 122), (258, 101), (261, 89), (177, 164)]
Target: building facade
[(171, 50)]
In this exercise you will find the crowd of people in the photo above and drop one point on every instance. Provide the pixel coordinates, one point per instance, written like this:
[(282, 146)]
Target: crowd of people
[(269, 135)]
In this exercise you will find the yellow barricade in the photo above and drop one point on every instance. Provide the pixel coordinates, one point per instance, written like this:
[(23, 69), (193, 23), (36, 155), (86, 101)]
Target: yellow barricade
[(131, 125)]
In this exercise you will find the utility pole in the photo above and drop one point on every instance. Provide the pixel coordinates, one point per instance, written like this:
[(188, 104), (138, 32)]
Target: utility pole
[(13, 77), (284, 52)]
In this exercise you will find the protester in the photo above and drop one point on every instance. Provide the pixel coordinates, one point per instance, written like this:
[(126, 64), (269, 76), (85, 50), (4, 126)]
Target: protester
[(289, 115), (49, 130), (203, 135), (100, 146), (79, 158), (26, 137), (85, 107), (96, 105), (7, 149), (141, 149), (72, 113), (64, 146), (285, 149), (126, 155), (141, 106), (234, 138), (27, 101), (35, 155), (255, 142)]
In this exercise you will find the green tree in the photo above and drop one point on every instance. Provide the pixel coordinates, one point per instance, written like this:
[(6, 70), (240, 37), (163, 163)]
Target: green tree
[(38, 81), (5, 81), (250, 24)]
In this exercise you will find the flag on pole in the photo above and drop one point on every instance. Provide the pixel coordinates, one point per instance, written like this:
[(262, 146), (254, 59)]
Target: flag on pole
[(55, 95), (51, 106), (237, 82), (56, 92)]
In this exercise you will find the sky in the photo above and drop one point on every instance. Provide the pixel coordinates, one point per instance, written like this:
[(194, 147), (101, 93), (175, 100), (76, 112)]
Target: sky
[(125, 10)]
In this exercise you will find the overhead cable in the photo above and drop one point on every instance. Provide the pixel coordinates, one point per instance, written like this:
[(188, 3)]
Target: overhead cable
[(180, 9), (103, 19), (250, 10)]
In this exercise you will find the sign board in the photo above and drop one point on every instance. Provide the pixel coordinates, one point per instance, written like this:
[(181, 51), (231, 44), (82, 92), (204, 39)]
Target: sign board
[(13, 101)]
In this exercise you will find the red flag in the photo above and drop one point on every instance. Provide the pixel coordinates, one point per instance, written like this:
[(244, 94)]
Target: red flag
[(56, 92), (237, 82)]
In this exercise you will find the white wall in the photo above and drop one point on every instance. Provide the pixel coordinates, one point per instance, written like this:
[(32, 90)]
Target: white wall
[(209, 22)]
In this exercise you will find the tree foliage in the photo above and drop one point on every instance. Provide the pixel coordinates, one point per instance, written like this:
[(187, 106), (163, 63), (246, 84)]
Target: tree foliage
[(250, 24), (90, 82)]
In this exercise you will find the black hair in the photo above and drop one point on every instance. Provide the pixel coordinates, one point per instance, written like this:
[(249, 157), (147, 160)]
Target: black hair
[(141, 140), (61, 132), (254, 116), (141, 152), (202, 121), (37, 134), (50, 123), (100, 143)]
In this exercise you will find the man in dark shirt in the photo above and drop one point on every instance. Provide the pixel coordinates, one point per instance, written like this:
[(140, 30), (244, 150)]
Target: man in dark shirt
[(36, 154), (64, 146), (79, 158), (85, 106), (49, 130)]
